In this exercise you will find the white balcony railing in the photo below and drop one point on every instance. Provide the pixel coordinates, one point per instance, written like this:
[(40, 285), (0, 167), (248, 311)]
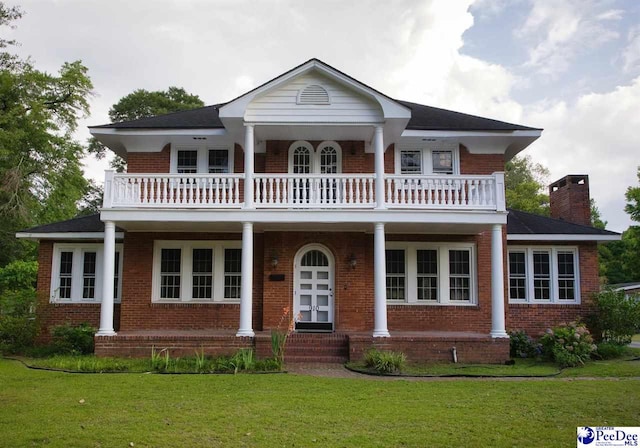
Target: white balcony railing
[(306, 191), (173, 190), (454, 192), (314, 190)]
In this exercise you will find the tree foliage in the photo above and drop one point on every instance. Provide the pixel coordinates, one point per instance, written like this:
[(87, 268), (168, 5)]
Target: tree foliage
[(525, 184), (40, 175), (141, 104)]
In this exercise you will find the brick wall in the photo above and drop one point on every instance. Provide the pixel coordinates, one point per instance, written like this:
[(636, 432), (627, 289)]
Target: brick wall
[(139, 313), (53, 314), (482, 164), (536, 318), (149, 162)]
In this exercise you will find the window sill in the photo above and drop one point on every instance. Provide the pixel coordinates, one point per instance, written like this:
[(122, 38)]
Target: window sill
[(434, 304), (78, 302), (191, 303), (540, 303)]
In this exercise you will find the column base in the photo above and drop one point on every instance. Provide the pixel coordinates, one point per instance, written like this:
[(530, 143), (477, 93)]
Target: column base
[(106, 333), (498, 334), (245, 334), (381, 334)]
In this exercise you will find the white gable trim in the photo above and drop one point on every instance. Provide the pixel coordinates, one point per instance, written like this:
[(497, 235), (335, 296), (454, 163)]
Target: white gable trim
[(66, 235)]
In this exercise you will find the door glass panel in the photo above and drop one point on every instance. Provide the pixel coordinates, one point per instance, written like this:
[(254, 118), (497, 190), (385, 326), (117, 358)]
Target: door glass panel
[(322, 287), (305, 300), (314, 258), (305, 316), (323, 316), (323, 300), (306, 275), (305, 286), (323, 275)]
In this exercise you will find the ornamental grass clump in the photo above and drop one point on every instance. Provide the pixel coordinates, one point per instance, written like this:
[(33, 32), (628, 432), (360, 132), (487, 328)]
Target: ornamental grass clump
[(280, 334), (384, 361), (568, 345)]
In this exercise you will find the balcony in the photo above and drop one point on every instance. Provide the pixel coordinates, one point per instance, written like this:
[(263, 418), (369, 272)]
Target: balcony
[(304, 191)]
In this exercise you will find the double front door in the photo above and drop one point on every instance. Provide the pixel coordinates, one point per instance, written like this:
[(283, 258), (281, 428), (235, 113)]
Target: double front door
[(313, 291)]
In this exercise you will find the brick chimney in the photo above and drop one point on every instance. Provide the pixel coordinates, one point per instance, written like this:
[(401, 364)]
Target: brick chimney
[(569, 199)]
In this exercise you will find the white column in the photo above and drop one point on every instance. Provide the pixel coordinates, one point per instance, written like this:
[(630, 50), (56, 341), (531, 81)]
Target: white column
[(497, 284), (246, 291), (378, 146), (248, 165), (380, 283), (108, 262)]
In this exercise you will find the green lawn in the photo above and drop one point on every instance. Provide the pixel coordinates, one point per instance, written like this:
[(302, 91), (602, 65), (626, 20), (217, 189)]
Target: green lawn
[(43, 408)]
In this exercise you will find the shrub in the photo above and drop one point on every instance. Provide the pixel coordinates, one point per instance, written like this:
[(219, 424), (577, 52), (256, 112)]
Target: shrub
[(17, 320), (384, 361), (568, 345), (617, 317), (74, 340), (243, 360), (611, 350), (522, 346)]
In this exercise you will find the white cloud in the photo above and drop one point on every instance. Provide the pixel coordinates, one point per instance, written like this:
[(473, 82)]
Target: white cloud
[(596, 135), (631, 53), (557, 31)]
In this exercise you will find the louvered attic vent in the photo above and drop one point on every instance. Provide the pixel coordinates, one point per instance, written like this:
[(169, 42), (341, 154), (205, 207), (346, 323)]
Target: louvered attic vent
[(313, 94)]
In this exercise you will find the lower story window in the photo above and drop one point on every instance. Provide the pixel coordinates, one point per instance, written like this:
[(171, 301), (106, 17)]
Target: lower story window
[(77, 272), (196, 271), (436, 273), (543, 275)]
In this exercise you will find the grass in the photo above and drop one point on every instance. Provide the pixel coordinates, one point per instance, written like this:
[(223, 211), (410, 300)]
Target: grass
[(45, 408)]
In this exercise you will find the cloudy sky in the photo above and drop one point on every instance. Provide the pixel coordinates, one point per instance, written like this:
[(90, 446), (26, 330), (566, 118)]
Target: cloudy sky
[(571, 67)]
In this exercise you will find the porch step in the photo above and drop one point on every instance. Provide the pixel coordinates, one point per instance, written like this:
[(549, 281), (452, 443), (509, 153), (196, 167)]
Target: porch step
[(317, 347)]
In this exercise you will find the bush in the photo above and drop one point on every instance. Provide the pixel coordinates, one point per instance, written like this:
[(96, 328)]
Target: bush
[(522, 346), (17, 320), (74, 340), (568, 345), (384, 361), (617, 317), (611, 350)]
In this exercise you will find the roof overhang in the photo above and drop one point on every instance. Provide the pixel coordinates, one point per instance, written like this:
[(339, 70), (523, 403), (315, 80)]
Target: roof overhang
[(37, 236), (122, 141), (562, 237), (508, 143)]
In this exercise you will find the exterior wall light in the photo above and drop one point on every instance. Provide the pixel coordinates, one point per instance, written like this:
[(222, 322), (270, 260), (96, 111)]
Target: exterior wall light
[(353, 261)]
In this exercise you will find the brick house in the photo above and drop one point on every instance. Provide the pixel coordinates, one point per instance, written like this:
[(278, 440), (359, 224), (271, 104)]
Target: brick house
[(377, 222)]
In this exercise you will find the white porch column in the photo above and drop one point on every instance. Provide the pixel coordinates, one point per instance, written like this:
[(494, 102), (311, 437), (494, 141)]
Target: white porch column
[(246, 291), (497, 284), (248, 165), (106, 308), (378, 146), (380, 283)]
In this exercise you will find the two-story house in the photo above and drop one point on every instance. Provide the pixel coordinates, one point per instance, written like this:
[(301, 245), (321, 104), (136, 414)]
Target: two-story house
[(373, 221)]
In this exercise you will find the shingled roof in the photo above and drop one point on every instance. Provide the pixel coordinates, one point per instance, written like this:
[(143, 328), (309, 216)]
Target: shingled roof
[(523, 223), (518, 223)]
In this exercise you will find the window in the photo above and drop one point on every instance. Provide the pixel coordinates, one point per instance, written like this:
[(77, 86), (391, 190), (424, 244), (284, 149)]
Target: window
[(77, 272), (326, 158), (188, 161), (427, 274), (430, 273), (197, 271), (395, 265), (543, 275), (205, 159), (427, 158), (218, 161)]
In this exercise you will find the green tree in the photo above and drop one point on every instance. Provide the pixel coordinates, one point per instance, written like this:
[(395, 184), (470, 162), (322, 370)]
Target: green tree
[(633, 200), (40, 175), (141, 104), (525, 184)]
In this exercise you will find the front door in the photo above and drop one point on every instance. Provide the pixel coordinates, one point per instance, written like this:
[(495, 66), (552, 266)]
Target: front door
[(313, 290)]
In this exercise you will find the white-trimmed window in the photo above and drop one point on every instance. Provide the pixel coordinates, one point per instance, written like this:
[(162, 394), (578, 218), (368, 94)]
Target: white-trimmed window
[(196, 271), (325, 159), (196, 159), (543, 275), (76, 273), (427, 158), (431, 273)]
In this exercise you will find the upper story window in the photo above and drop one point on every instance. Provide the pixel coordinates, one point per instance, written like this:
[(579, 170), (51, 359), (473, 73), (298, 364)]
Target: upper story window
[(543, 275), (190, 160), (325, 159), (431, 158), (76, 272)]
